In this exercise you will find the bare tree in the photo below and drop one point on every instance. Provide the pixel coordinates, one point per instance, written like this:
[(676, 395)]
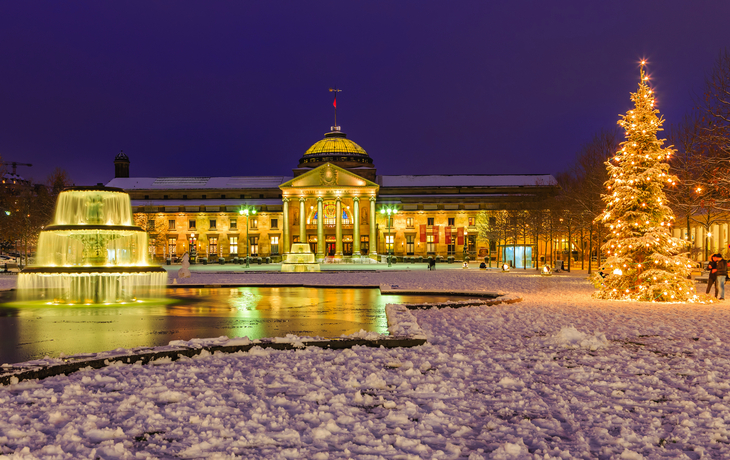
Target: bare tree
[(715, 129), (583, 185)]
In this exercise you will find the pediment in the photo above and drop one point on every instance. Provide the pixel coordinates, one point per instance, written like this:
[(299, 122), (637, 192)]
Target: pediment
[(329, 176)]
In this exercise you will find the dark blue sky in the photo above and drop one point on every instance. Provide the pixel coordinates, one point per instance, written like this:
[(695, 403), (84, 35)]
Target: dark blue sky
[(240, 88)]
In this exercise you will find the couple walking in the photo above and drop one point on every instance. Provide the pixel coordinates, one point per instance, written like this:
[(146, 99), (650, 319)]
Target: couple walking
[(718, 274)]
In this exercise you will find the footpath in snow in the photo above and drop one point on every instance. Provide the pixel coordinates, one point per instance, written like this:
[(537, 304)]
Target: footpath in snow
[(558, 375)]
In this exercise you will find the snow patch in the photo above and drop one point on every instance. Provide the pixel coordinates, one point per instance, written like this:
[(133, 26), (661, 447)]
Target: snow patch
[(570, 337)]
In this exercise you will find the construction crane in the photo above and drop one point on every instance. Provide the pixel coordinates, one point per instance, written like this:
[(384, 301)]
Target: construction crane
[(14, 164)]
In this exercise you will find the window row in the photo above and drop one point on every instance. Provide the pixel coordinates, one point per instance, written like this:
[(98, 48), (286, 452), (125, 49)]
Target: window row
[(213, 224), (430, 221), (233, 246)]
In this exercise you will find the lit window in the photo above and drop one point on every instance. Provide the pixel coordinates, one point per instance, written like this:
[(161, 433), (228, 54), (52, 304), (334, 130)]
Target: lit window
[(364, 244), (430, 245), (234, 223), (213, 245), (172, 246), (410, 246), (254, 242), (389, 243), (409, 222), (274, 244), (233, 247), (253, 222), (472, 221)]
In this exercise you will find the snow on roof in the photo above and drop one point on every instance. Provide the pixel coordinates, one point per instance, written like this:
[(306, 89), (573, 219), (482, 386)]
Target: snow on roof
[(213, 202), (467, 180), (183, 183)]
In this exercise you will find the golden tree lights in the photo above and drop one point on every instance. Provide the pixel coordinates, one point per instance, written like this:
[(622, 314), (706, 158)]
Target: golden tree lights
[(644, 261)]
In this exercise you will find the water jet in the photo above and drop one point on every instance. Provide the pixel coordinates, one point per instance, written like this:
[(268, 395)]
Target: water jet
[(92, 252)]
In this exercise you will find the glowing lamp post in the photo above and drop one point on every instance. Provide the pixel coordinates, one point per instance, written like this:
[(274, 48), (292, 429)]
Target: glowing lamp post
[(245, 212), (389, 212), (708, 235), (466, 243)]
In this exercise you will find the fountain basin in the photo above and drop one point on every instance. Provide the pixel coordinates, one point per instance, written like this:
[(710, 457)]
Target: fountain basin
[(299, 260), (92, 285), (92, 253)]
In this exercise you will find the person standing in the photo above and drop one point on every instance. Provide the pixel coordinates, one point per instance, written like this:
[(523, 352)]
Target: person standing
[(721, 277), (712, 278)]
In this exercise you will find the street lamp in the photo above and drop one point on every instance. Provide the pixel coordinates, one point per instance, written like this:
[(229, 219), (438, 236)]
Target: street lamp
[(389, 212), (245, 211), (466, 243), (707, 243)]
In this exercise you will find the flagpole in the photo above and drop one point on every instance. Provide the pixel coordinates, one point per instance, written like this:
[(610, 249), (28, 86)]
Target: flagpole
[(335, 90)]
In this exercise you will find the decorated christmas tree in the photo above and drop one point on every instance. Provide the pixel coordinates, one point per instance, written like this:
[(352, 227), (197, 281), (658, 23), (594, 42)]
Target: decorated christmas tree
[(644, 262)]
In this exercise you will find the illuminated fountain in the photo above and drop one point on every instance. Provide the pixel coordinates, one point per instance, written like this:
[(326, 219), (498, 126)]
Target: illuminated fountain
[(92, 253), (300, 259)]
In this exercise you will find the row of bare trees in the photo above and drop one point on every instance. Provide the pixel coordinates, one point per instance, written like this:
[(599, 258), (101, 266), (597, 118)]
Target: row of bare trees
[(565, 226), (25, 209), (702, 161), (560, 228)]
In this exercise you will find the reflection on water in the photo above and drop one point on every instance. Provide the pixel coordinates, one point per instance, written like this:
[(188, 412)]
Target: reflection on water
[(32, 330)]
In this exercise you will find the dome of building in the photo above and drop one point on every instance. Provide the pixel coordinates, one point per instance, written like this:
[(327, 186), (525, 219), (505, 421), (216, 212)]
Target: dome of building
[(335, 143), (121, 156)]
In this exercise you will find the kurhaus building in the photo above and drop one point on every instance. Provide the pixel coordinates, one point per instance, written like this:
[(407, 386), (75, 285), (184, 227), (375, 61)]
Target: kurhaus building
[(335, 201)]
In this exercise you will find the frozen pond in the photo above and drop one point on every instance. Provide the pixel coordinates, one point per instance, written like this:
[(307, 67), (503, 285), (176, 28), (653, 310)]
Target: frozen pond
[(34, 330)]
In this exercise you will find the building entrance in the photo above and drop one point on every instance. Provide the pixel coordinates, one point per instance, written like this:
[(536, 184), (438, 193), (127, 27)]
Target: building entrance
[(330, 249), (347, 248)]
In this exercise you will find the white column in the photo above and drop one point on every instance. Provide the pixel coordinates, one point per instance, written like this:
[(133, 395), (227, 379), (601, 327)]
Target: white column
[(302, 222), (356, 227), (320, 228), (338, 227), (287, 242), (373, 249)]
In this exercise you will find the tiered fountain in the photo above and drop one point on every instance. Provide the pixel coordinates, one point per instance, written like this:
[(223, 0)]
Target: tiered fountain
[(92, 253), (300, 259)]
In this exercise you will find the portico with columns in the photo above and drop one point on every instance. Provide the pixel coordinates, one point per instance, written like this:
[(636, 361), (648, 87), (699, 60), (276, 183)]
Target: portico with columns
[(333, 210)]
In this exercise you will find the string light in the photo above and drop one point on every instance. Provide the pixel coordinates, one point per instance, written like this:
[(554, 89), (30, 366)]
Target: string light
[(638, 184)]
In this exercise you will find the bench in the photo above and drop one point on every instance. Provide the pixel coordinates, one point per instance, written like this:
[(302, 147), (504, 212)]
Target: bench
[(11, 267)]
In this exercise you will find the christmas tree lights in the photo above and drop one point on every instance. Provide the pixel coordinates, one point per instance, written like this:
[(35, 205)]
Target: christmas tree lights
[(644, 261)]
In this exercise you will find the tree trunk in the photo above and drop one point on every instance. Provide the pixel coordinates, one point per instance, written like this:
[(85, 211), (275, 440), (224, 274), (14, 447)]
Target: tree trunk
[(590, 248), (570, 248), (552, 262), (582, 250), (598, 247)]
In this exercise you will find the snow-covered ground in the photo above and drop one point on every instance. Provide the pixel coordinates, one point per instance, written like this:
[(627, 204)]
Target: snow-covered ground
[(558, 375)]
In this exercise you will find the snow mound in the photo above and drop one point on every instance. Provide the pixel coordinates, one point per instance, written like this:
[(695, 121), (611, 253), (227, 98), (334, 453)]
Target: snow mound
[(570, 337), (509, 450), (401, 322)]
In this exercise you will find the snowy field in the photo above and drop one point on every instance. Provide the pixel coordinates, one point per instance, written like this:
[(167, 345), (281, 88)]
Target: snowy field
[(559, 375)]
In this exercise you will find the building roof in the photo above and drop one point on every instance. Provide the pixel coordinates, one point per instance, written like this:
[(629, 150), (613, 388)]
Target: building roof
[(272, 182), (335, 142), (187, 183), (121, 156), (468, 180), (209, 202)]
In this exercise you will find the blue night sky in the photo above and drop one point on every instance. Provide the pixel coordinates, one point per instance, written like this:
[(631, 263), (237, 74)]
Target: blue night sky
[(240, 88)]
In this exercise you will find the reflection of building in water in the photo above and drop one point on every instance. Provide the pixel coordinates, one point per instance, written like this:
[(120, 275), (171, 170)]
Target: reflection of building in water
[(332, 202)]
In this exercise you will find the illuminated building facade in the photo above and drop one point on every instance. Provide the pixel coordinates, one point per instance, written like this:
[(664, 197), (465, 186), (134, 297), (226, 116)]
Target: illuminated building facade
[(332, 201)]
